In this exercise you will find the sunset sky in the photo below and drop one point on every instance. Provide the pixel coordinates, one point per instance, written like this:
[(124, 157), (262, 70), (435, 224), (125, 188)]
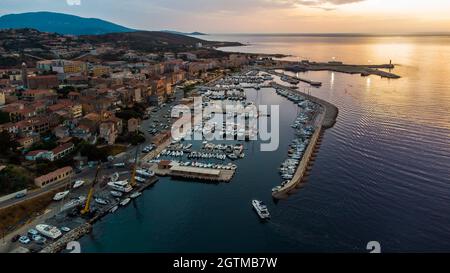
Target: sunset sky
[(256, 16)]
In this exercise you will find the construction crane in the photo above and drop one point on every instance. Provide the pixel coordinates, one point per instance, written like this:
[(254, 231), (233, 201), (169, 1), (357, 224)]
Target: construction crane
[(133, 171), (87, 206)]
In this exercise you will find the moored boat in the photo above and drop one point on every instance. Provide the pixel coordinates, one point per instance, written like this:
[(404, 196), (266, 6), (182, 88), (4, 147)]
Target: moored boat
[(49, 231)]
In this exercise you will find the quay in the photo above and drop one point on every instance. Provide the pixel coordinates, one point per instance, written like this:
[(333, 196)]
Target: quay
[(363, 70), (195, 173), (325, 120)]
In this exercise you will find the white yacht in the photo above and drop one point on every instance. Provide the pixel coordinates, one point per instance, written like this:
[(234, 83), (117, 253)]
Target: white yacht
[(60, 195), (261, 209), (120, 188), (49, 231)]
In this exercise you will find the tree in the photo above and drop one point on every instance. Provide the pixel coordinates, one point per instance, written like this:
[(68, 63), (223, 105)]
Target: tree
[(7, 144), (4, 117)]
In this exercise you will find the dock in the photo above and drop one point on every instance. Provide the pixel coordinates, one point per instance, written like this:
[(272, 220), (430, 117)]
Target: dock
[(310, 82)]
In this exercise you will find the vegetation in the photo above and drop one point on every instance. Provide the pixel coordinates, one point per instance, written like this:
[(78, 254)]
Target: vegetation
[(132, 138), (64, 91), (137, 111), (8, 147), (14, 178), (96, 153), (18, 215), (4, 117)]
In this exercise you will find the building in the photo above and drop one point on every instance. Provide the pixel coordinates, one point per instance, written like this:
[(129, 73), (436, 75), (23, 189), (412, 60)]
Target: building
[(62, 150), (43, 82), (33, 95), (108, 132), (39, 154), (133, 125), (2, 98), (101, 70), (54, 177)]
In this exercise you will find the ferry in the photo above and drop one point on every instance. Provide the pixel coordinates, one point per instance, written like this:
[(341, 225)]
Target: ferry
[(49, 231), (261, 209), (60, 195), (78, 184)]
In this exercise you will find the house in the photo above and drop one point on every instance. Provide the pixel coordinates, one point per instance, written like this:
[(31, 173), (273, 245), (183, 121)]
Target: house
[(82, 132), (108, 132), (62, 150), (39, 154), (26, 142)]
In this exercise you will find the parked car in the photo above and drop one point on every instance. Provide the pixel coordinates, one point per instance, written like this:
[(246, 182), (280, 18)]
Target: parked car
[(20, 195), (15, 238), (33, 232), (24, 240), (39, 239)]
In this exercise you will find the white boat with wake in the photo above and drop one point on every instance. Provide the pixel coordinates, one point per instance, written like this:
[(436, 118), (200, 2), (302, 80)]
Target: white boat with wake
[(261, 209)]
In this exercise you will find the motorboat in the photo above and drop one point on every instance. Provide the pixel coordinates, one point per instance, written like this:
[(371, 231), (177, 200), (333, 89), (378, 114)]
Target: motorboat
[(116, 193), (60, 196), (78, 184), (125, 202), (101, 201), (49, 231), (261, 209), (135, 195)]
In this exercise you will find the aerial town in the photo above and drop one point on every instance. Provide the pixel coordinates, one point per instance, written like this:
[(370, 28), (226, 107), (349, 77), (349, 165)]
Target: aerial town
[(71, 104)]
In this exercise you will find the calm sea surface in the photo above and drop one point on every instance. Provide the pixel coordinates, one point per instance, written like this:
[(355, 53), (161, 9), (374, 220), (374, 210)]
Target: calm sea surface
[(382, 173)]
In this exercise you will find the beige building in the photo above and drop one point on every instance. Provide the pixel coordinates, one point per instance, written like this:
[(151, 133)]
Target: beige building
[(54, 177), (133, 125)]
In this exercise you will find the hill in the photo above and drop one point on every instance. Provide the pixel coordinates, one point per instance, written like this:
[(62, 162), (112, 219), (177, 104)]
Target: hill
[(60, 23), (153, 40)]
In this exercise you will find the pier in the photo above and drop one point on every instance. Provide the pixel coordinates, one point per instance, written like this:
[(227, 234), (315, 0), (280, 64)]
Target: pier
[(325, 120)]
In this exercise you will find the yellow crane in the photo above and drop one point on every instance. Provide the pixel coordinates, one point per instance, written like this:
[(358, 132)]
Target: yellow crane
[(133, 171), (87, 206)]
